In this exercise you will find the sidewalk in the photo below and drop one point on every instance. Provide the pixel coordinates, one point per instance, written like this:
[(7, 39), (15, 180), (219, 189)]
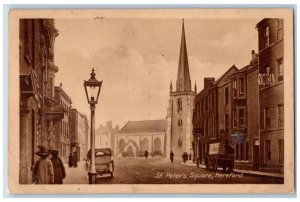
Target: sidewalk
[(249, 172), (76, 175)]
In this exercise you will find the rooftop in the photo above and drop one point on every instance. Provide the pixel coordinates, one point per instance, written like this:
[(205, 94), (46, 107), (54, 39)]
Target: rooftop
[(146, 126)]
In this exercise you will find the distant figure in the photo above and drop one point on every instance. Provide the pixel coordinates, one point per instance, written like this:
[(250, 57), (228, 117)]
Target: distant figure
[(75, 159), (146, 154), (43, 169), (172, 156), (183, 157), (190, 156), (70, 162), (58, 167)]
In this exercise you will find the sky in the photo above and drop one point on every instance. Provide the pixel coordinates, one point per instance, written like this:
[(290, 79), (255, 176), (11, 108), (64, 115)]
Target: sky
[(138, 58)]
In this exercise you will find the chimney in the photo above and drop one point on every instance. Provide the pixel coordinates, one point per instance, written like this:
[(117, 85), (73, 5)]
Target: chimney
[(254, 58), (208, 81), (254, 55)]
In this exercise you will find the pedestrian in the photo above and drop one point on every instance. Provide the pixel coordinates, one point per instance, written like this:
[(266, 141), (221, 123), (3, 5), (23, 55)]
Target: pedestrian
[(70, 162), (183, 157), (146, 154), (172, 156), (58, 167), (75, 160), (190, 156), (43, 169)]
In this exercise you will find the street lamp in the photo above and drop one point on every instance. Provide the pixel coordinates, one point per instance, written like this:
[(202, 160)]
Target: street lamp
[(92, 89)]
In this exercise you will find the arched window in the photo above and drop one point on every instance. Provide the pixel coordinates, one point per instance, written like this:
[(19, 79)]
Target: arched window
[(179, 142), (179, 122), (179, 104)]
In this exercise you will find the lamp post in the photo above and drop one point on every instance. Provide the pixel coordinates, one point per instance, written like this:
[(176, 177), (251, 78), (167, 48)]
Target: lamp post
[(92, 89), (198, 146)]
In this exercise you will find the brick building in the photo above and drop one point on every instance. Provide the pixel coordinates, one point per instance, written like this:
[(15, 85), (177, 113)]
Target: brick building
[(271, 93), (39, 111), (227, 108)]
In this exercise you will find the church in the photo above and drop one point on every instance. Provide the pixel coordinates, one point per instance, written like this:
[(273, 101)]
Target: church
[(160, 137)]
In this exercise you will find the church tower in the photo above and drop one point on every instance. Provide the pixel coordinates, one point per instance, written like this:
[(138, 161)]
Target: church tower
[(181, 105)]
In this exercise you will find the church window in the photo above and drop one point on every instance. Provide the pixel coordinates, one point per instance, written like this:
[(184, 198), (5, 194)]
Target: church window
[(179, 104), (179, 142), (179, 122)]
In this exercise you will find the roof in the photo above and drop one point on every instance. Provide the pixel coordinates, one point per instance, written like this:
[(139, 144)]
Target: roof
[(146, 126)]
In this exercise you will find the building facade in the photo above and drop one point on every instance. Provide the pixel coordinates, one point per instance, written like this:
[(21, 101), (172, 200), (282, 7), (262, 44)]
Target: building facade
[(271, 93), (181, 106), (79, 134), (135, 137), (62, 128), (39, 111), (105, 136), (227, 110)]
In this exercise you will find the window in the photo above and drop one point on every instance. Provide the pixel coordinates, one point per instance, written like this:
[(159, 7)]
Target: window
[(237, 156), (247, 151), (226, 122), (226, 96), (241, 117), (267, 118), (280, 115), (280, 29), (213, 125), (179, 104), (206, 103), (205, 128), (241, 85), (267, 150), (242, 151), (179, 142), (280, 70), (234, 122), (179, 122), (281, 151), (234, 87), (266, 37)]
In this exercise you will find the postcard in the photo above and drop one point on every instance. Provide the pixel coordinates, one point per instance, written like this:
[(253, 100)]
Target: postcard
[(151, 101)]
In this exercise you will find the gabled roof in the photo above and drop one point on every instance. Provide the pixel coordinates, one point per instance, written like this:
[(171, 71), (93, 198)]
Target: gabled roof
[(146, 126), (226, 74)]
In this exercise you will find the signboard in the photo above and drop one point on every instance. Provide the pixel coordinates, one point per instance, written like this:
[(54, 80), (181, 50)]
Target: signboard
[(214, 148)]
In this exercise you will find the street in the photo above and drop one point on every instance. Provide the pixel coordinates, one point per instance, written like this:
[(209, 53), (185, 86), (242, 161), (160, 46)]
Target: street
[(162, 171)]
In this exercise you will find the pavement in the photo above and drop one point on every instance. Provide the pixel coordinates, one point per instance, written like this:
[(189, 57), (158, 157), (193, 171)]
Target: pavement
[(76, 175), (249, 172)]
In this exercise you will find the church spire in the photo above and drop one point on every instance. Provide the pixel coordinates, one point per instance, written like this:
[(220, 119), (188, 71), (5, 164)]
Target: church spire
[(195, 89), (171, 87), (183, 82)]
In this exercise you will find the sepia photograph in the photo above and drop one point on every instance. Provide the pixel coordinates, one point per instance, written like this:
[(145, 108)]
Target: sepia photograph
[(151, 101)]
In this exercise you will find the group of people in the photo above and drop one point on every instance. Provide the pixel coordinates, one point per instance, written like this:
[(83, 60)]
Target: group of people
[(73, 159), (49, 168), (186, 157)]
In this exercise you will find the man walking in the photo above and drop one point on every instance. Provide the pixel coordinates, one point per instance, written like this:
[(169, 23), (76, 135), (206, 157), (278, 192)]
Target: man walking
[(172, 156)]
